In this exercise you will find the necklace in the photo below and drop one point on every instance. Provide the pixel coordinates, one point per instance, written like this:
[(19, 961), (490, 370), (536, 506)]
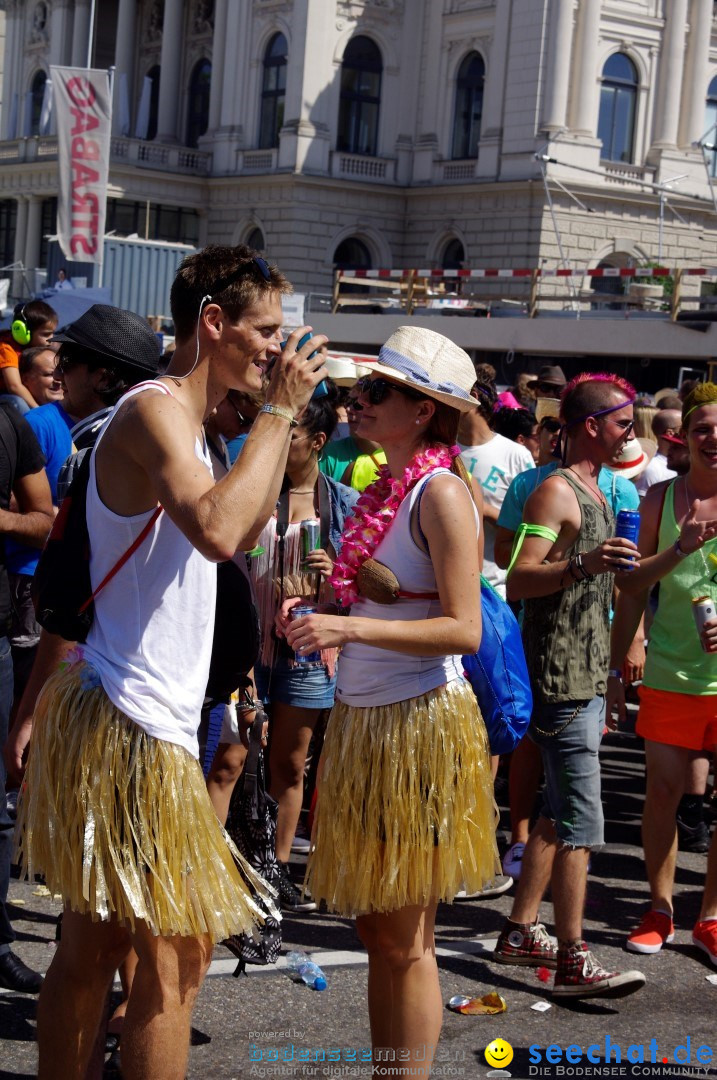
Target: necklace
[(303, 491), (373, 516), (600, 498)]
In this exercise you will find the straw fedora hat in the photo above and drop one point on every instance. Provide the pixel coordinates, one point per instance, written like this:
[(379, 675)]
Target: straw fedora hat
[(344, 371), (636, 455), (428, 362)]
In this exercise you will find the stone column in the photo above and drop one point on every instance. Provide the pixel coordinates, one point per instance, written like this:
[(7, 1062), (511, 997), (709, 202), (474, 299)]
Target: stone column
[(13, 51), (494, 93), (170, 68), (427, 142), (558, 66), (60, 41), (585, 79), (125, 44), (304, 140), (81, 33), (20, 242), (667, 111), (694, 80), (32, 237), (218, 46)]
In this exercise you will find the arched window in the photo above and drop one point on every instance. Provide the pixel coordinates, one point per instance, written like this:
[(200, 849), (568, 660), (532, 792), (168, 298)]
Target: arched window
[(198, 112), (453, 258), (360, 97), (618, 97), (153, 74), (710, 122), (37, 95), (469, 107), (352, 254), (273, 92), (255, 240)]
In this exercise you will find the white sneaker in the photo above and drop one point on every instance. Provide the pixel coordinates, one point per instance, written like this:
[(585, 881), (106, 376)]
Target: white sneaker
[(513, 860), (496, 887)]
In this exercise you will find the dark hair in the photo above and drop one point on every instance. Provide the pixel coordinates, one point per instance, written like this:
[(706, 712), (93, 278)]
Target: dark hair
[(485, 393), (36, 313), (29, 356), (486, 372), (200, 275), (670, 401), (320, 414), (513, 422), (119, 377)]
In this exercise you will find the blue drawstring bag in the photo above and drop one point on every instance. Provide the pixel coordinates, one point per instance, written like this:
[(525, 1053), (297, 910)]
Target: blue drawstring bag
[(498, 673)]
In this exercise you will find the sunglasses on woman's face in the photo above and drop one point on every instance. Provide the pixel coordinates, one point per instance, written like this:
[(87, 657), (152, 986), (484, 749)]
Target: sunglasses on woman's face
[(377, 390), (551, 425)]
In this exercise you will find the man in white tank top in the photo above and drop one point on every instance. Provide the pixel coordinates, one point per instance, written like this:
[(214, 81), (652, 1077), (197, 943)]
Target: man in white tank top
[(226, 306)]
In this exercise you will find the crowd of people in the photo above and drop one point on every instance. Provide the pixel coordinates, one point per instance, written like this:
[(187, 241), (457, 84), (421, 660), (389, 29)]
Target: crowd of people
[(410, 478)]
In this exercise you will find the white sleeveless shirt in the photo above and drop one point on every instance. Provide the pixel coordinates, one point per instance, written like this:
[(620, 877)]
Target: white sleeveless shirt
[(368, 675), (151, 638)]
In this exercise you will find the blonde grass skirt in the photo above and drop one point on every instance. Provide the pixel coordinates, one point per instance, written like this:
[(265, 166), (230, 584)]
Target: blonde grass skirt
[(121, 824), (405, 810)]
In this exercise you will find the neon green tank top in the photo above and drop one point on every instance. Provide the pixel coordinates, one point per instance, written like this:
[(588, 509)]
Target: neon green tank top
[(675, 660), (365, 469)]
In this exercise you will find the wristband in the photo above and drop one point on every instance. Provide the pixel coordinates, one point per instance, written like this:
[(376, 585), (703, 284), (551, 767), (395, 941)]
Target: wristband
[(678, 550), (614, 673), (277, 410)]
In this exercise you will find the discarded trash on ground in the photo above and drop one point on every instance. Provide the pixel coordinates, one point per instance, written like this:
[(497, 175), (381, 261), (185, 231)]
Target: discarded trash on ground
[(488, 1005), (541, 1006)]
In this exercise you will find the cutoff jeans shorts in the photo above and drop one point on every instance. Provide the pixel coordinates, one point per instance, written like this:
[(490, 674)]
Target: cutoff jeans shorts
[(572, 797)]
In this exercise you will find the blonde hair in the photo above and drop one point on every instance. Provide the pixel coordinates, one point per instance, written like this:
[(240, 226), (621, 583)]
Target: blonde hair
[(643, 416)]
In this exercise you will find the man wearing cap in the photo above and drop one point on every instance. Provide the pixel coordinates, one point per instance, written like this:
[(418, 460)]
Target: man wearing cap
[(665, 422), (549, 383), (144, 863)]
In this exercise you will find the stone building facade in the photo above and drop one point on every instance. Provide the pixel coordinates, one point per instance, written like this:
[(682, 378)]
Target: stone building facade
[(382, 133)]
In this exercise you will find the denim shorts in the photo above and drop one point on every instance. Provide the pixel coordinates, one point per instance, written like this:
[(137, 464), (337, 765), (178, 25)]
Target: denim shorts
[(304, 686), (572, 797)]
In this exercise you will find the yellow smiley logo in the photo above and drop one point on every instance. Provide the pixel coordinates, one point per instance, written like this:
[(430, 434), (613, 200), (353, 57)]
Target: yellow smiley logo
[(499, 1053)]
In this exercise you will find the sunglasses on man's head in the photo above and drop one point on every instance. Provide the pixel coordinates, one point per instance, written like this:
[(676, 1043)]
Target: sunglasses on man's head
[(245, 268), (377, 390), (549, 388)]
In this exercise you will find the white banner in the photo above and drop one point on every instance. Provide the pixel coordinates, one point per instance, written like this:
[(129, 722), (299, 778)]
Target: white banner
[(83, 113)]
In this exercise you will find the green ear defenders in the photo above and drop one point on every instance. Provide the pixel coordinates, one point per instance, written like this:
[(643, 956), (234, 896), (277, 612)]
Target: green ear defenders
[(19, 328)]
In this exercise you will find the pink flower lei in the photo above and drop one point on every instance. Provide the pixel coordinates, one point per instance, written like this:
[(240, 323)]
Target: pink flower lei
[(373, 515)]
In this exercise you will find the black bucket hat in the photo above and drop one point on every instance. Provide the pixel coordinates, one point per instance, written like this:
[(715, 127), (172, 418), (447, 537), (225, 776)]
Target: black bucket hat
[(117, 334)]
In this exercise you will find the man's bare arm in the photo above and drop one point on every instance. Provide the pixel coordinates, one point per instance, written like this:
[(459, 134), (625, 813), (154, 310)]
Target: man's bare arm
[(51, 651), (34, 520)]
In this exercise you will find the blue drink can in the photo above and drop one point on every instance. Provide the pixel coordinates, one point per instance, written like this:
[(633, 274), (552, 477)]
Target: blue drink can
[(628, 525), (299, 612)]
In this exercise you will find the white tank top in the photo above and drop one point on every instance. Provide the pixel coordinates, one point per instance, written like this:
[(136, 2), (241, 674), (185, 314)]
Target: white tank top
[(151, 638), (371, 676)]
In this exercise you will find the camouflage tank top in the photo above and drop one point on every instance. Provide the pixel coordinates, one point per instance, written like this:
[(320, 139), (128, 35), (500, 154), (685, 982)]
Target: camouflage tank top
[(567, 634)]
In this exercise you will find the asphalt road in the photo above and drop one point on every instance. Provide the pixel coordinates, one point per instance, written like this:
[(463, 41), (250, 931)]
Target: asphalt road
[(268, 1025)]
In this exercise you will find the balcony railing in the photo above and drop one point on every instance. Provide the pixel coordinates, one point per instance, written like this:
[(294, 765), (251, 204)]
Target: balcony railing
[(178, 159), (618, 172), (362, 167), (256, 161), (454, 172)]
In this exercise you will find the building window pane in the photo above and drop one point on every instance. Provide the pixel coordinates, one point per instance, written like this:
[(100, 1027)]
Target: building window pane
[(48, 226), (8, 226), (153, 74), (360, 97), (469, 107), (38, 93), (198, 114), (618, 98), (711, 125), (152, 222), (273, 92), (255, 240)]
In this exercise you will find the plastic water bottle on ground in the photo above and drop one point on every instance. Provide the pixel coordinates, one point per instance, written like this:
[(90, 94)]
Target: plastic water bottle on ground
[(303, 966)]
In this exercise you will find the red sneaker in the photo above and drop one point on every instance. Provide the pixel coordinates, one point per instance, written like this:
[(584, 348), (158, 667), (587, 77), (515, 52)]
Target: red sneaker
[(704, 936), (526, 946), (655, 930)]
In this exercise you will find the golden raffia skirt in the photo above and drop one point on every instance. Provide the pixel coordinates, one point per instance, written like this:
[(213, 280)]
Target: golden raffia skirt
[(405, 809), (120, 823)]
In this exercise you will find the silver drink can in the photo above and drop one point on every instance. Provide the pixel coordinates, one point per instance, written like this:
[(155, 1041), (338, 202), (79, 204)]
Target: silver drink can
[(703, 609), (299, 612), (310, 537)]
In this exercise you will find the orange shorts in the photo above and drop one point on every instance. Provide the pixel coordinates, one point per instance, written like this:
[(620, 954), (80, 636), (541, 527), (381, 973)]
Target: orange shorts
[(686, 720)]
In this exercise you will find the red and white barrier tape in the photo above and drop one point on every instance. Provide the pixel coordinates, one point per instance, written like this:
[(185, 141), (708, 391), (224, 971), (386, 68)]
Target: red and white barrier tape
[(561, 271)]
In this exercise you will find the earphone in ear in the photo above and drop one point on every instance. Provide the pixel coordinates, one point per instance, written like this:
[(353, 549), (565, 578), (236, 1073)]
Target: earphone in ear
[(19, 328)]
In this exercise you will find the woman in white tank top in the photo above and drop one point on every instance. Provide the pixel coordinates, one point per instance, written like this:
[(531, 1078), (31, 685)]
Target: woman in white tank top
[(405, 814)]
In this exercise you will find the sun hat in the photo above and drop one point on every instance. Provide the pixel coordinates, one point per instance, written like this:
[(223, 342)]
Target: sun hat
[(344, 371), (428, 362), (676, 439), (552, 374), (115, 333), (634, 458), (547, 406)]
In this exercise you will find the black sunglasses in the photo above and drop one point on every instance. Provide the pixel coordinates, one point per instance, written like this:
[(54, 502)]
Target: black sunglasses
[(245, 268), (551, 425), (377, 390)]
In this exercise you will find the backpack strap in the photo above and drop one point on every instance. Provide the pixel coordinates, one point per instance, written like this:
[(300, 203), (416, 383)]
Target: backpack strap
[(137, 542)]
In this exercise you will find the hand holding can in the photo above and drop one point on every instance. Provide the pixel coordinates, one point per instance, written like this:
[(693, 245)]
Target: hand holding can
[(300, 657)]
